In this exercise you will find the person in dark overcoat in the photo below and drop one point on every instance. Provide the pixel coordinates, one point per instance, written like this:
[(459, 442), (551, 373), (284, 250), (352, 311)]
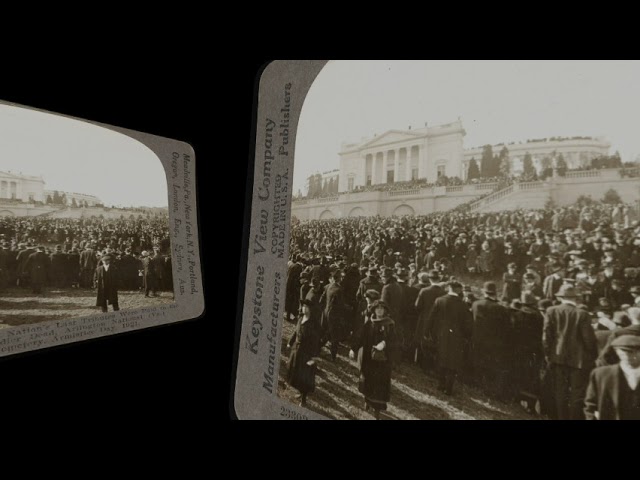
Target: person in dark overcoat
[(424, 303), (88, 264), (334, 323), (613, 392), (292, 299), (391, 295), (37, 268), (570, 349), (370, 282), (57, 271), (363, 317), (148, 275), (511, 287), (380, 351), (72, 267), (157, 265), (492, 343), (527, 346), (23, 255), (107, 284), (304, 344), (608, 355), (450, 324), (409, 316)]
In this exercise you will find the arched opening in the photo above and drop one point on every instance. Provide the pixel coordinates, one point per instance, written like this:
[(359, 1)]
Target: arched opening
[(403, 210), (357, 212), (326, 215)]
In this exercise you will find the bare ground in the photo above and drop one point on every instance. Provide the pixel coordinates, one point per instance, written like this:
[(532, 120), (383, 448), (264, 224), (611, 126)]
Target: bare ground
[(19, 306), (414, 394)]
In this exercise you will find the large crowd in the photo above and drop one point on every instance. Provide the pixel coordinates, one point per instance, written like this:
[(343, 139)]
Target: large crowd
[(40, 252), (523, 304)]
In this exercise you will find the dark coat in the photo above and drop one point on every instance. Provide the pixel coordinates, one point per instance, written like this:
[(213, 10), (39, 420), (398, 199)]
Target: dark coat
[(424, 303), (375, 375), (550, 286), (107, 285), (492, 340), (37, 266), (304, 344), (393, 297), (511, 286), (451, 325), (568, 337), (88, 260), (58, 268), (608, 355), (603, 393), (292, 298), (367, 283), (334, 320)]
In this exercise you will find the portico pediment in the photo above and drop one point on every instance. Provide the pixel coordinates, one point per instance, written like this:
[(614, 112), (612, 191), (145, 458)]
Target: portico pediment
[(391, 137)]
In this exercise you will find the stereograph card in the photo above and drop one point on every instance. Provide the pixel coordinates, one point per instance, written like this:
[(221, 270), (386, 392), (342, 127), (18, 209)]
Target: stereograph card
[(442, 240), (85, 251)]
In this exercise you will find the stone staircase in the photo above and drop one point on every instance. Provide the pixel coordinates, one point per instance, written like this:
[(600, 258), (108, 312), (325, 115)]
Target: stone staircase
[(530, 195)]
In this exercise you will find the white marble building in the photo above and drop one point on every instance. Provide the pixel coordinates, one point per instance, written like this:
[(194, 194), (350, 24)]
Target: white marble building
[(16, 186), (401, 155)]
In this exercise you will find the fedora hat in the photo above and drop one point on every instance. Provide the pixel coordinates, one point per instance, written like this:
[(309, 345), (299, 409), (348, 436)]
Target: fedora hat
[(490, 288)]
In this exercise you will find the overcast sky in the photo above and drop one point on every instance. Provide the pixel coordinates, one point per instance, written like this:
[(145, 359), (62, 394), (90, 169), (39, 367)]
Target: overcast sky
[(74, 156), (498, 101)]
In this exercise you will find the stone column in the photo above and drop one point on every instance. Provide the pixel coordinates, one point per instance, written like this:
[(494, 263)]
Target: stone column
[(396, 165), (374, 170), (407, 175), (385, 157), (363, 159), (421, 161)]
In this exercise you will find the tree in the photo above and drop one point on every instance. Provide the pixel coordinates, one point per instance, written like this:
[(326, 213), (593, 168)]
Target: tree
[(74, 204), (561, 165), (527, 165), (546, 163), (56, 198), (486, 162), (63, 199), (611, 197), (49, 199), (504, 163), (474, 171)]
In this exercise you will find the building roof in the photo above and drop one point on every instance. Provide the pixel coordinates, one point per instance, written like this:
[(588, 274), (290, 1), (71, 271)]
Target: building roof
[(20, 176)]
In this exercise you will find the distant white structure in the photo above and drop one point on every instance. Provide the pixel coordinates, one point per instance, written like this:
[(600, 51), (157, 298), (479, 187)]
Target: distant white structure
[(16, 186), (401, 155), (80, 198)]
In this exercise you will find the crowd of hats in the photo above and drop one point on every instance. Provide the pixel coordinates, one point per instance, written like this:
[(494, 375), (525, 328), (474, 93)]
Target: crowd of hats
[(119, 235)]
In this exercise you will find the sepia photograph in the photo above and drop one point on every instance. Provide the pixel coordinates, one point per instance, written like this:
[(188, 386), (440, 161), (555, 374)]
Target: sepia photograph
[(464, 241), (84, 220)]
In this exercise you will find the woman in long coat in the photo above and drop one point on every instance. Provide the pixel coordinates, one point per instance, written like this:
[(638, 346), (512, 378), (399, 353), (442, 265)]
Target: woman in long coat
[(304, 343), (379, 351)]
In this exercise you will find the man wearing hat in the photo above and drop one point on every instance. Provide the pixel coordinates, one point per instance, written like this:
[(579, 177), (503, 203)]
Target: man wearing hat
[(570, 348), (491, 344), (409, 315), (553, 282), (58, 263), (370, 282), (613, 392), (371, 296), (292, 290), (334, 323), (107, 280), (88, 264), (37, 268), (26, 250), (608, 355), (392, 296), (450, 325), (528, 359), (148, 275)]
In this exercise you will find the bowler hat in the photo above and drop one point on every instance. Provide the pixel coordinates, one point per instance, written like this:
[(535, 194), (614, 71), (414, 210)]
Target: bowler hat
[(372, 294), (490, 288), (567, 291), (627, 342), (387, 272)]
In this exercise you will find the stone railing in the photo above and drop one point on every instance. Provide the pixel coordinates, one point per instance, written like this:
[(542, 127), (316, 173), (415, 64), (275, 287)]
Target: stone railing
[(396, 193), (328, 199), (491, 198), (455, 188), (485, 186), (583, 174), (530, 185)]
